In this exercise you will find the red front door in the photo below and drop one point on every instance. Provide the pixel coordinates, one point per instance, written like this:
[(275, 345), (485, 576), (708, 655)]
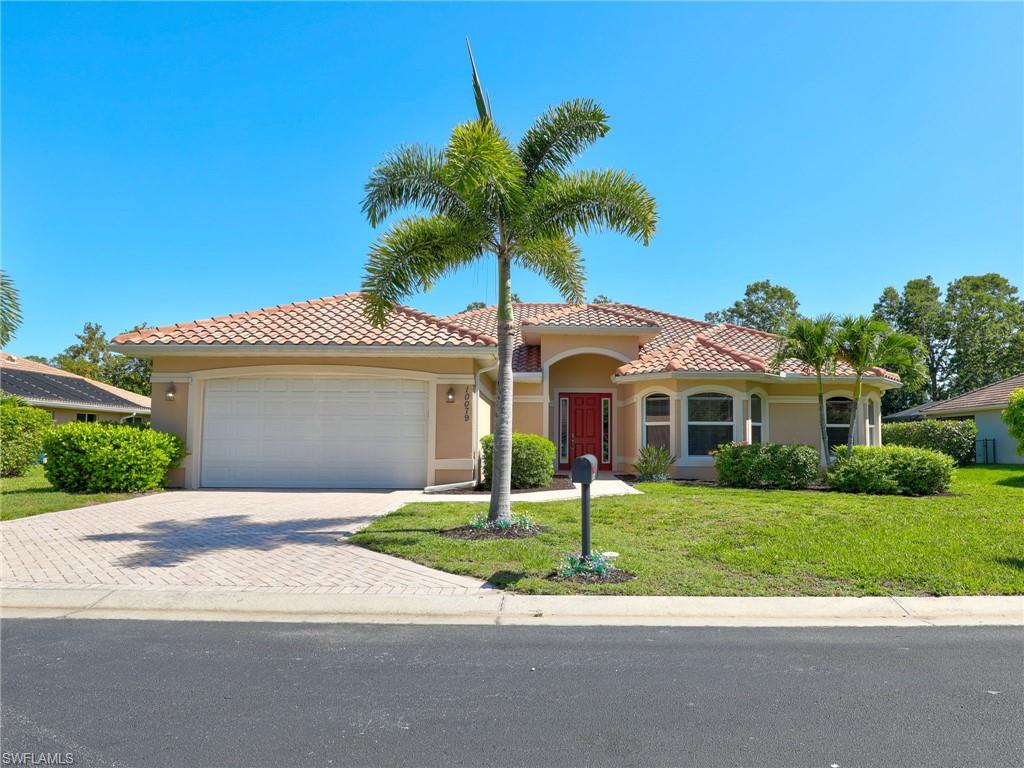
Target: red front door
[(586, 426)]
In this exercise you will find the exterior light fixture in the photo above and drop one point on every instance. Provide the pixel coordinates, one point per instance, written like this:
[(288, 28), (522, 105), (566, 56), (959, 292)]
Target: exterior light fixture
[(450, 395), (171, 392)]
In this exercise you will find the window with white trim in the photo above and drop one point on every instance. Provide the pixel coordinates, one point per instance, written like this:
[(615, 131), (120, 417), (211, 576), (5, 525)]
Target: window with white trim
[(658, 421), (756, 410), (563, 430), (709, 422), (837, 420), (871, 422)]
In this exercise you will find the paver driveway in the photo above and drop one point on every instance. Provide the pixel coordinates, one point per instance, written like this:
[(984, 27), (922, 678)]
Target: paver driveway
[(279, 541)]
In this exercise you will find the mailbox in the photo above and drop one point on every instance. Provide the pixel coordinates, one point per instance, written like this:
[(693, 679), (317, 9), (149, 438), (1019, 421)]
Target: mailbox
[(584, 469)]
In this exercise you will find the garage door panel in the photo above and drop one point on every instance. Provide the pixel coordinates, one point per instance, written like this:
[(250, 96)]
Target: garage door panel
[(314, 432)]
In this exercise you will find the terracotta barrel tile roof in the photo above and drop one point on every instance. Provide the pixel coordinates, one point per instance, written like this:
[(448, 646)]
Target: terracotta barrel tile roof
[(589, 316)]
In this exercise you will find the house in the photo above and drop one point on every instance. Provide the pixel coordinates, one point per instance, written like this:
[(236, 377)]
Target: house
[(311, 395), (67, 396), (984, 406), (914, 413)]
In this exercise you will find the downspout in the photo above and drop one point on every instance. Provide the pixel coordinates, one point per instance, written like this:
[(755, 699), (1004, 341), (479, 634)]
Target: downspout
[(476, 405)]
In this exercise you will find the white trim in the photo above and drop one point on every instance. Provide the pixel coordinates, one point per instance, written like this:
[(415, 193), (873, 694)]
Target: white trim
[(641, 422), (609, 390), (450, 486), (748, 426), (306, 350), (572, 352), (528, 398), (525, 377), (168, 378), (936, 414), (875, 381), (738, 422), (84, 407)]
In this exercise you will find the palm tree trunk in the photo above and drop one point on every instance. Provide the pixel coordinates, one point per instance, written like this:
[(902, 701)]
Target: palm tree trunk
[(822, 422), (855, 419), (501, 460)]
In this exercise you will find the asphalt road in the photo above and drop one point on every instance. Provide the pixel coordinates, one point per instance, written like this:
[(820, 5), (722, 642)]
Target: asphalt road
[(138, 693)]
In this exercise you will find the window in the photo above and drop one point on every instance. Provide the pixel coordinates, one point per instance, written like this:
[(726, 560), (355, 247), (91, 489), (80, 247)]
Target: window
[(837, 420), (606, 430), (85, 417), (709, 422), (755, 418), (563, 430), (658, 421), (871, 422)]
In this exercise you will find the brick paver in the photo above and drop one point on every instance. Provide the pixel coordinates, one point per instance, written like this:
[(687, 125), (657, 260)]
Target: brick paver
[(273, 541)]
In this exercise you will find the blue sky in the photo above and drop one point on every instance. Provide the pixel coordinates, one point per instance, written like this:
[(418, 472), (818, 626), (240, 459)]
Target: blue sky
[(168, 162)]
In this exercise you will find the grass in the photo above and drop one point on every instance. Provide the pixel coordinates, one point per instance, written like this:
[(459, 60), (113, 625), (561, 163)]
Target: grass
[(33, 495), (690, 540)]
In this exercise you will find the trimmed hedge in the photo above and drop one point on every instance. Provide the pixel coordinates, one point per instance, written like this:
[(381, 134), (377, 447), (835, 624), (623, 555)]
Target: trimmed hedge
[(94, 457), (533, 460), (953, 438), (22, 429), (766, 465), (890, 469)]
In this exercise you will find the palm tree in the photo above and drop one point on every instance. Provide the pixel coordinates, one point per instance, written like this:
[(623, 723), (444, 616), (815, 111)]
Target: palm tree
[(483, 197), (10, 309), (812, 342), (866, 343)]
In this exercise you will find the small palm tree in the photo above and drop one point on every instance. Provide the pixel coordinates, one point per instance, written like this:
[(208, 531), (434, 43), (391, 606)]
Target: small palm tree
[(486, 198), (812, 342), (866, 343), (10, 309)]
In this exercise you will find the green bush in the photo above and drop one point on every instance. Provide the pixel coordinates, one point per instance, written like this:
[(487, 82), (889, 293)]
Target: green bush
[(22, 429), (96, 457), (890, 469), (766, 465), (953, 438), (1013, 416), (652, 464), (533, 460)]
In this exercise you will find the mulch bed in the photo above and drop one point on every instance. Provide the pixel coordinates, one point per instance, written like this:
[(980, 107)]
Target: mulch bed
[(615, 577), (557, 484), (490, 534)]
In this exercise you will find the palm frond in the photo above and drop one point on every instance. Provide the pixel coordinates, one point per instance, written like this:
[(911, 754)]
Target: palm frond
[(561, 134), (557, 259), (586, 200), (483, 169), (10, 309), (483, 104), (412, 256), (413, 175), (811, 341)]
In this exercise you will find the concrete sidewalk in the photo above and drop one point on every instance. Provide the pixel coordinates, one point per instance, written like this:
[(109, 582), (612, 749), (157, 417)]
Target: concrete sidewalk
[(496, 607), (601, 487)]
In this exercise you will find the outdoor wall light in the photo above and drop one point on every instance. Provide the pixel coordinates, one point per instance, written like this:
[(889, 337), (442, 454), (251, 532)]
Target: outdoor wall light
[(171, 392), (450, 395)]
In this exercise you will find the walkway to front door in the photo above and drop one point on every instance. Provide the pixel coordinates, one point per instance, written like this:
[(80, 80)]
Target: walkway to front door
[(585, 426)]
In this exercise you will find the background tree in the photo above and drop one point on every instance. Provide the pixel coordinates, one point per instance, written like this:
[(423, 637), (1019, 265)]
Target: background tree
[(764, 306), (1013, 416), (601, 299), (919, 311), (38, 359), (485, 198), (865, 343), (987, 331), (10, 309), (93, 358), (812, 342)]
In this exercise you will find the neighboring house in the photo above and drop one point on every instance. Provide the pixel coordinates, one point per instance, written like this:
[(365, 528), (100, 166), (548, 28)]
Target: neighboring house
[(311, 395), (985, 406), (67, 396), (915, 413)]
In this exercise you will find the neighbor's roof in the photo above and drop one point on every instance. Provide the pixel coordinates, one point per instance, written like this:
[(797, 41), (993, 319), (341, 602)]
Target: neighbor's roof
[(995, 395), (333, 320), (42, 384), (913, 413), (666, 343)]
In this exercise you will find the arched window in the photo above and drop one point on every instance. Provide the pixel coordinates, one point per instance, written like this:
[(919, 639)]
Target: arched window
[(709, 422), (756, 410), (872, 426), (837, 420), (658, 421)]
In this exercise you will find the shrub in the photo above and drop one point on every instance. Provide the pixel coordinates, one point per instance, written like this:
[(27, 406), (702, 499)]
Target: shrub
[(22, 429), (653, 463), (533, 460), (480, 522), (82, 457), (890, 469), (953, 438), (575, 564), (1014, 418), (766, 465)]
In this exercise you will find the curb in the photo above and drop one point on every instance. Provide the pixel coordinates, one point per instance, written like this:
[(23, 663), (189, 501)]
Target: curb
[(499, 608)]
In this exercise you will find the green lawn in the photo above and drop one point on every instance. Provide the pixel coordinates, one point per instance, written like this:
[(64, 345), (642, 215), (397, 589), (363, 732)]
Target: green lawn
[(33, 495), (689, 540)]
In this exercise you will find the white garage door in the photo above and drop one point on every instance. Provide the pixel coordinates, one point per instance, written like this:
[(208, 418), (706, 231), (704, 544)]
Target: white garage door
[(314, 433)]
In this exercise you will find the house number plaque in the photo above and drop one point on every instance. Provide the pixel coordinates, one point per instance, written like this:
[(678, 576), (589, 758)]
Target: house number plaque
[(467, 403)]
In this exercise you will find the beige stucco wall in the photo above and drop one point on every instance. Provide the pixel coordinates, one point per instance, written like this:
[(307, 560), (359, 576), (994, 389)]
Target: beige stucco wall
[(552, 345), (528, 417), (454, 422)]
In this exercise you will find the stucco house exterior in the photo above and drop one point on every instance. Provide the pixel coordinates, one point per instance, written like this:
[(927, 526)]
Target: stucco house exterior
[(984, 406), (311, 395), (68, 396)]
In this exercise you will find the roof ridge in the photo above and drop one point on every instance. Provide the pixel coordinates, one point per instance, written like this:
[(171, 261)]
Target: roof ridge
[(570, 308), (427, 317), (662, 313), (754, 361)]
